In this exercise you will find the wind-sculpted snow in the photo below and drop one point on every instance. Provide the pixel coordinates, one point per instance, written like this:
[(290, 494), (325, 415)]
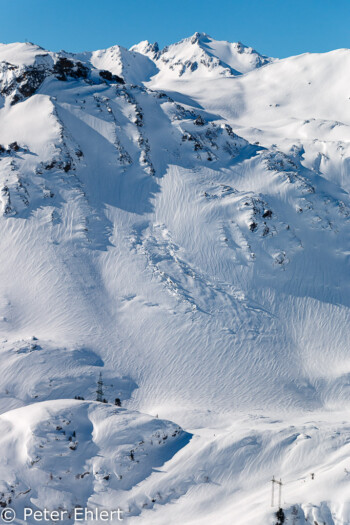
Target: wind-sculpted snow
[(177, 220)]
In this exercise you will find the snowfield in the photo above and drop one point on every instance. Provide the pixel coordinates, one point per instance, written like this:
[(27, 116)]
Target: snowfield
[(178, 221)]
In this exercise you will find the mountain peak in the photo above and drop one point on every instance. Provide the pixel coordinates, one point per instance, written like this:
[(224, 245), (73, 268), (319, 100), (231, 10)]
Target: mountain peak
[(21, 53), (200, 37), (203, 55), (146, 48)]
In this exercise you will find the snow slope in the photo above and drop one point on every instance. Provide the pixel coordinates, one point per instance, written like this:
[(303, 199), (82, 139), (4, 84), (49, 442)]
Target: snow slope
[(183, 229)]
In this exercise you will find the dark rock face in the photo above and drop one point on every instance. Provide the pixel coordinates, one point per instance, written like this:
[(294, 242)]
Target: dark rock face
[(64, 68), (199, 121), (267, 214), (30, 80), (21, 82), (14, 146), (107, 75), (24, 84)]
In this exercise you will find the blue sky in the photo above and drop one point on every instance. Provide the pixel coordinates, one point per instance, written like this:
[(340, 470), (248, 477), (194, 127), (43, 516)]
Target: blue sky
[(274, 27)]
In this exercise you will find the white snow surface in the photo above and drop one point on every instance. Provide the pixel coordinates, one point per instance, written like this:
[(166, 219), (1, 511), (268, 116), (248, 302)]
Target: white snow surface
[(186, 234)]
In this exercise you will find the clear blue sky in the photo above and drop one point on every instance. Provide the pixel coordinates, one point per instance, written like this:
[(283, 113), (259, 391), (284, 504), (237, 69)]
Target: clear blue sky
[(274, 27)]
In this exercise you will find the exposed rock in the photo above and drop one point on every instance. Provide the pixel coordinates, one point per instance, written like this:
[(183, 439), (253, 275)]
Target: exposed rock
[(107, 75), (199, 121), (14, 146), (64, 68), (30, 80)]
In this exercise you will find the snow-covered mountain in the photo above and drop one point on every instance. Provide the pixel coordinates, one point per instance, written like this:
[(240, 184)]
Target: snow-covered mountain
[(202, 55), (178, 221)]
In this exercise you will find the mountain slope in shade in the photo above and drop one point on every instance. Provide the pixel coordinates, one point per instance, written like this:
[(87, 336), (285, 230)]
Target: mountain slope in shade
[(194, 249)]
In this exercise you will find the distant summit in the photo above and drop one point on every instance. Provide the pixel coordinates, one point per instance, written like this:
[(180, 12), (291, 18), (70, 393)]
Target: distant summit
[(203, 55), (146, 48)]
